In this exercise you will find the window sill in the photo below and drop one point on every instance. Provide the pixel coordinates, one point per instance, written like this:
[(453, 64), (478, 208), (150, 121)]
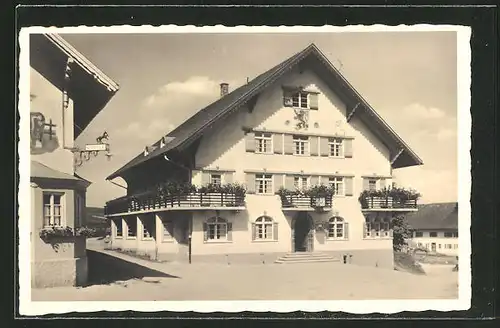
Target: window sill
[(262, 153), (217, 242), (131, 238), (118, 237), (302, 155), (168, 241), (336, 157), (148, 239), (264, 241)]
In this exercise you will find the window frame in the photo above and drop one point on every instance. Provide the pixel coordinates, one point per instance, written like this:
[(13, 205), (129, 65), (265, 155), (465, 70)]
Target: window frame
[(448, 234), (333, 226), (217, 222), (332, 142), (267, 183), (298, 95), (335, 181), (212, 175), (128, 236), (52, 207), (262, 222), (120, 236), (419, 234), (433, 234), (381, 228), (267, 140), (298, 141), (301, 180)]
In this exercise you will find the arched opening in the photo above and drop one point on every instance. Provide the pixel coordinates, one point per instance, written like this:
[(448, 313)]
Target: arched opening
[(302, 233)]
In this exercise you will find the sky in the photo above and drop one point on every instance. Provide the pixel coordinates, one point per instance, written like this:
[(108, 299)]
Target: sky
[(409, 78)]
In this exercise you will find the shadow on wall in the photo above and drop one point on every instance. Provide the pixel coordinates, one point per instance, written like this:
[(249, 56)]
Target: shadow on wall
[(106, 269)]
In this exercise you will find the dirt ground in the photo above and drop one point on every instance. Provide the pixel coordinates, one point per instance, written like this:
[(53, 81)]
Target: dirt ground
[(124, 278)]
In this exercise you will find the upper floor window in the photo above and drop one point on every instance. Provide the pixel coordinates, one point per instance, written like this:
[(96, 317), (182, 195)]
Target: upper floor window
[(337, 183), (264, 183), (298, 98), (448, 234), (301, 144), (263, 142), (455, 234), (433, 234), (372, 184), (336, 147), (300, 182), (216, 179), (419, 234), (52, 209)]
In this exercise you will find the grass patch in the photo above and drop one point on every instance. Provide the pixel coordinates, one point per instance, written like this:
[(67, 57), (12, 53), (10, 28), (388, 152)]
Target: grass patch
[(407, 263)]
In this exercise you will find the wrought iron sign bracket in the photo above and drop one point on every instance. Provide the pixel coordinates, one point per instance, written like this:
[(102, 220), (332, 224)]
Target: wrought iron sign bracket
[(84, 155)]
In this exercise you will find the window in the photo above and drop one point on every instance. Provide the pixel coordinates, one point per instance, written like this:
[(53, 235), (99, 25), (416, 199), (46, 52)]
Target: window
[(372, 184), (119, 228), (299, 100), (455, 246), (148, 227), (455, 234), (264, 228), (336, 228), (131, 228), (216, 229), (215, 179), (336, 149), (168, 230), (433, 234), (300, 182), (439, 246), (448, 246), (448, 234), (264, 183), (52, 209), (263, 143), (301, 145), (377, 228), (337, 183), (419, 234)]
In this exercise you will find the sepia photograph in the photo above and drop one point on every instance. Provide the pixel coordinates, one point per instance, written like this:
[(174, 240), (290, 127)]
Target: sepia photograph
[(244, 168)]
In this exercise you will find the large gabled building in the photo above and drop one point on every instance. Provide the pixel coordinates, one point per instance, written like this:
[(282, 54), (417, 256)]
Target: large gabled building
[(293, 161)]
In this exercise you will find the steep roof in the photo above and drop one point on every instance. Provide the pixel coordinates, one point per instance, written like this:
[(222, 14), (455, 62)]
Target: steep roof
[(434, 216), (197, 124), (39, 170)]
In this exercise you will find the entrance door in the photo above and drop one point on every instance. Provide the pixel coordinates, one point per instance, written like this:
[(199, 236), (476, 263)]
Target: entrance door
[(303, 234), (433, 247)]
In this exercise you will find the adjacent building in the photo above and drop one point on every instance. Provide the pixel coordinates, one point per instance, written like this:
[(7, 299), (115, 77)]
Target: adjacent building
[(67, 92), (293, 161), (435, 228)]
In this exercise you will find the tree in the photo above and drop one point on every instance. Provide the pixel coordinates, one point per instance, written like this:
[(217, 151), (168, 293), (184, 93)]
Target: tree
[(401, 232)]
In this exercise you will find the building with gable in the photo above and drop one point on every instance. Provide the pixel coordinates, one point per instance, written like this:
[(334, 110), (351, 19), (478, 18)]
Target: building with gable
[(293, 163), (67, 92)]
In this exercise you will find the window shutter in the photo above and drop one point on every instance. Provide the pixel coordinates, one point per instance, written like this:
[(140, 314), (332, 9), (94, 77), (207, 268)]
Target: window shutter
[(277, 181), (391, 233), (289, 182), (229, 231), (278, 143), (365, 184), (250, 183), (287, 98), (313, 143), (364, 229), (326, 226), (288, 144), (205, 178), (348, 186), (205, 232), (228, 177), (253, 231), (313, 101), (324, 147), (250, 142), (346, 230), (382, 183), (314, 180), (275, 230), (347, 148)]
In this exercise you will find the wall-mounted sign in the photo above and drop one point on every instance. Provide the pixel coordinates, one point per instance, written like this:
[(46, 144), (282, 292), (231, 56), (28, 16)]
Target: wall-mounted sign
[(43, 134), (97, 147)]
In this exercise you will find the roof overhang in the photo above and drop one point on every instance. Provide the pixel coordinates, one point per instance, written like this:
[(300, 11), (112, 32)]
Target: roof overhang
[(89, 87)]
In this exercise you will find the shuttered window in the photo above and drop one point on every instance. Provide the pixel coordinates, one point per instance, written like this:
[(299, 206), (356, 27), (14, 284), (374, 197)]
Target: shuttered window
[(217, 229), (264, 228)]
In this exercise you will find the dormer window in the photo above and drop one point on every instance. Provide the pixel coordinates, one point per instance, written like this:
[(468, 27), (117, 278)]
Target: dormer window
[(146, 151), (162, 142)]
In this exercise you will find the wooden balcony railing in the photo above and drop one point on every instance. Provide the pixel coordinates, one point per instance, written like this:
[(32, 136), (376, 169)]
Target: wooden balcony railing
[(155, 201), (387, 203), (306, 202)]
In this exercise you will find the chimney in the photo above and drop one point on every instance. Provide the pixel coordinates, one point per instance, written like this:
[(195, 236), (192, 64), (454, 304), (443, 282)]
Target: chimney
[(224, 89)]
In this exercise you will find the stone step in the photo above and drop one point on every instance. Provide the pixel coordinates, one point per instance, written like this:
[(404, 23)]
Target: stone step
[(310, 260), (304, 255)]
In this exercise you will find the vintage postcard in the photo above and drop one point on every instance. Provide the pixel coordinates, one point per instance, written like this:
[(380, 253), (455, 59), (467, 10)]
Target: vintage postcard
[(244, 169)]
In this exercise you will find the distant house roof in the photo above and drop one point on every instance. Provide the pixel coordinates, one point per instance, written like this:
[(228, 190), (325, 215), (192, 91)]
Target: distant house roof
[(434, 216), (89, 87), (39, 170), (311, 56)]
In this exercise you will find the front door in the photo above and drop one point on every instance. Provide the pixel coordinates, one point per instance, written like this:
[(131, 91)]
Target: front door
[(302, 233), (433, 247)]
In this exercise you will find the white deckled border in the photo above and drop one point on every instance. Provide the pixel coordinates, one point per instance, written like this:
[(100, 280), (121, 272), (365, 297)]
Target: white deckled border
[(27, 307)]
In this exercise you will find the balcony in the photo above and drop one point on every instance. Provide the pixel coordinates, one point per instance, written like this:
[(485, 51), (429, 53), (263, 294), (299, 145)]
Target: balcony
[(396, 200), (157, 201), (306, 203)]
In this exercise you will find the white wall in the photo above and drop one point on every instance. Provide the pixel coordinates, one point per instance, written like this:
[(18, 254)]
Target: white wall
[(48, 101), (441, 241)]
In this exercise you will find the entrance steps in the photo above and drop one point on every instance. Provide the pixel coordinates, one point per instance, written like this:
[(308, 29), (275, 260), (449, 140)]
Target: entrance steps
[(306, 257)]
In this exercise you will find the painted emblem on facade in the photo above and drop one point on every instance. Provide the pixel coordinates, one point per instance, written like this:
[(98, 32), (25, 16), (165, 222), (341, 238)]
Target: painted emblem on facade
[(43, 134), (302, 118)]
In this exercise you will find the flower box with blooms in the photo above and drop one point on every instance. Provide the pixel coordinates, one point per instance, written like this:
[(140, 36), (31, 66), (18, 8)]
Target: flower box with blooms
[(389, 198), (53, 232), (316, 197)]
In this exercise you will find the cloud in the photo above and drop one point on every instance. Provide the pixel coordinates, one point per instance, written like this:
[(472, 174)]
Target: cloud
[(420, 111), (147, 132), (446, 134)]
